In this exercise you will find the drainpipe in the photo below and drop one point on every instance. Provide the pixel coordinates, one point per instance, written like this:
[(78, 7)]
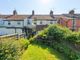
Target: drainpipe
[(73, 24), (15, 30)]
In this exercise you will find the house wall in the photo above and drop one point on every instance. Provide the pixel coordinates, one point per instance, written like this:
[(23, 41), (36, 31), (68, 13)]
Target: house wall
[(27, 22), (13, 23), (12, 26), (78, 24), (69, 23), (9, 31), (45, 22), (6, 28)]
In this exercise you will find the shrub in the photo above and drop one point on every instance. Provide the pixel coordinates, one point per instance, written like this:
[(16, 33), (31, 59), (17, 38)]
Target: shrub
[(67, 51), (72, 38), (59, 33), (55, 36), (11, 49)]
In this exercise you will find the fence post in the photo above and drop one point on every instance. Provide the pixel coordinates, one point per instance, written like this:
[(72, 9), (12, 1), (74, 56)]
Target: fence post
[(14, 36)]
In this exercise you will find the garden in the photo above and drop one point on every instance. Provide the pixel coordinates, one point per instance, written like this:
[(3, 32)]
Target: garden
[(60, 39), (53, 43)]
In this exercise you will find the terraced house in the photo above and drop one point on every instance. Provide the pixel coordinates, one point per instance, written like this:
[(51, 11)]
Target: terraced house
[(15, 23)]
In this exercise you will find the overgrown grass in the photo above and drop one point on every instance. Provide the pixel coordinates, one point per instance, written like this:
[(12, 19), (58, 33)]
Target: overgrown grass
[(41, 52)]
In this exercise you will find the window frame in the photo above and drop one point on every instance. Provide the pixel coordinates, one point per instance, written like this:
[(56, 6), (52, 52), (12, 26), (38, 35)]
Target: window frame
[(19, 23), (9, 22), (41, 22), (28, 22)]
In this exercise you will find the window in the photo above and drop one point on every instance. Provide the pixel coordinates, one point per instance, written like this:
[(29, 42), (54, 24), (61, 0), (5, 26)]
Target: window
[(1, 22), (51, 22), (40, 22), (35, 22), (18, 23), (9, 23), (28, 22)]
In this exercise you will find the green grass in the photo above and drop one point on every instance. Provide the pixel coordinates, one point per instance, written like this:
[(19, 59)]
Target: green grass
[(37, 52)]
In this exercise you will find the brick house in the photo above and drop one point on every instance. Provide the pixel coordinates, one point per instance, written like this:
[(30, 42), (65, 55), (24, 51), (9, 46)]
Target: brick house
[(71, 20)]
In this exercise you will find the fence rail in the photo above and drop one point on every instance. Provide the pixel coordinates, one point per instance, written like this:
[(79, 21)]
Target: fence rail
[(12, 36)]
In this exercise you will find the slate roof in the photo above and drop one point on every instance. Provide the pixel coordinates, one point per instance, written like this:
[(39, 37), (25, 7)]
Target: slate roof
[(22, 17), (42, 17)]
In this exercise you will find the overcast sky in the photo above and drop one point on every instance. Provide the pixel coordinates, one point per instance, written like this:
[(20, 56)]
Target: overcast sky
[(39, 6)]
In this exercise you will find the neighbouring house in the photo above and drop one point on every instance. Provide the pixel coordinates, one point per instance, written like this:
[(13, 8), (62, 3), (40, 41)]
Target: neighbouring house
[(42, 21), (15, 23), (71, 20)]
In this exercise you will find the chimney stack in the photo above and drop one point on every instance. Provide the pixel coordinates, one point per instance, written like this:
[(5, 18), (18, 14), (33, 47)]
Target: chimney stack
[(72, 12), (33, 12), (51, 14), (14, 12)]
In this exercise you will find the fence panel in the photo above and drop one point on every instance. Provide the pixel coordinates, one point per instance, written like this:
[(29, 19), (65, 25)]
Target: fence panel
[(12, 36)]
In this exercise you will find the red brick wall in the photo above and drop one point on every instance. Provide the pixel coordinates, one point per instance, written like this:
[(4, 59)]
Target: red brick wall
[(78, 24), (68, 23)]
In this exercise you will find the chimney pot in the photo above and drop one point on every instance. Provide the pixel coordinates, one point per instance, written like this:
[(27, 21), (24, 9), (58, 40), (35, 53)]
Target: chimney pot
[(33, 12), (14, 12), (71, 12), (51, 13)]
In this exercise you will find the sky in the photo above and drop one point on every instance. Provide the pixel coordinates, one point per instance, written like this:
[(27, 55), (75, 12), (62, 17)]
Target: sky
[(39, 6)]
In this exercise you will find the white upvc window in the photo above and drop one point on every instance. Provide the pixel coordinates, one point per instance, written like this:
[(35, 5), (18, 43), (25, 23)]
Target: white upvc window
[(41, 22), (35, 22), (28, 21), (18, 23), (9, 23)]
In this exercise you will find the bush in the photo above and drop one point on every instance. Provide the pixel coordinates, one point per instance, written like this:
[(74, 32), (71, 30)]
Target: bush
[(55, 36), (11, 49), (53, 32), (67, 51), (59, 33), (72, 38)]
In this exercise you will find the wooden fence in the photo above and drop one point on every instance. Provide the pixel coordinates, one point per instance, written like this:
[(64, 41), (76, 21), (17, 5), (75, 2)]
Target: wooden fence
[(12, 37)]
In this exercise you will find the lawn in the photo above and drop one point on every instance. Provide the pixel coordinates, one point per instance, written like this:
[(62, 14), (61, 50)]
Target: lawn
[(36, 52)]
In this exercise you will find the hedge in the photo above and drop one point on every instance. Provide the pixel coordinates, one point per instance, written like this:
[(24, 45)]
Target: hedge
[(54, 36)]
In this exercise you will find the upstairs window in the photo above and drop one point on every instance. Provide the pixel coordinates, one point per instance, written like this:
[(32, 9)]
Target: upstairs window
[(40, 22), (51, 22), (1, 22), (18, 23), (35, 22), (9, 23), (28, 21)]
